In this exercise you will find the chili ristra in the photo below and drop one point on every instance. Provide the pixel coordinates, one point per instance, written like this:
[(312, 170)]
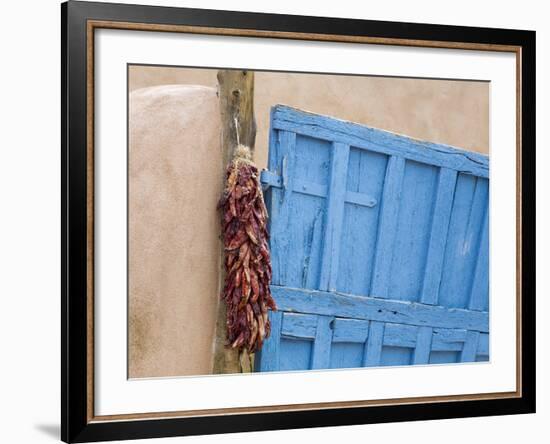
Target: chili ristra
[(246, 291)]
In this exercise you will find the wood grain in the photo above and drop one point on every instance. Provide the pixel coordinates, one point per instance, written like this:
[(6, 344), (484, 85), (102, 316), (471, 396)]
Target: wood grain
[(236, 96)]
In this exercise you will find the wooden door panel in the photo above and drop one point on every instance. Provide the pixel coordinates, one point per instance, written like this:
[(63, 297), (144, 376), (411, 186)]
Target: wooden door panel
[(379, 245)]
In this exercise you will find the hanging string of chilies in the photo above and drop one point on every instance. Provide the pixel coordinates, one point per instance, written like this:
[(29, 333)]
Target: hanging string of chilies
[(247, 260)]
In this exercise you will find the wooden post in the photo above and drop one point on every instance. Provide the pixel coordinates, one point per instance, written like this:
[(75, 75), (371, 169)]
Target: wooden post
[(236, 95)]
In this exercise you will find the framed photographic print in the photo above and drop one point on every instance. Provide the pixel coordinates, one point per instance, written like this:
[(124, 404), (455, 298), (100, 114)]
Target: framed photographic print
[(276, 221)]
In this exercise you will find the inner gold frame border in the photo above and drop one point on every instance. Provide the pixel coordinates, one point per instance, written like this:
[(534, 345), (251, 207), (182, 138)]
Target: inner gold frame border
[(92, 25)]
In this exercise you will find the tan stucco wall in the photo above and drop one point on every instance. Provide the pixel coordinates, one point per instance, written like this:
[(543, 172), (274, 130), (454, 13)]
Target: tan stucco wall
[(173, 229), (174, 184)]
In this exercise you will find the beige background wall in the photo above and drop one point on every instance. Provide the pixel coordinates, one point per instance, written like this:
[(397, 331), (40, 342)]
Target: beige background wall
[(444, 111), (173, 229), (174, 184)]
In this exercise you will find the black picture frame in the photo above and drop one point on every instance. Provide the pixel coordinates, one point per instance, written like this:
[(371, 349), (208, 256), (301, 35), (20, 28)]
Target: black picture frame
[(76, 423)]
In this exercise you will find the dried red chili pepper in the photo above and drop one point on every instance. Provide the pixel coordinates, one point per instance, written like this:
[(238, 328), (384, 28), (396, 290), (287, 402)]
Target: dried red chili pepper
[(246, 292)]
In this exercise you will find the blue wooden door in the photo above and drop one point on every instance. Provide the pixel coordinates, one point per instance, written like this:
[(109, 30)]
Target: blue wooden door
[(379, 247)]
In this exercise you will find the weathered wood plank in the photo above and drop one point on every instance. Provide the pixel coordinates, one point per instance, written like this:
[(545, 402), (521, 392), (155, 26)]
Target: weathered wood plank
[(377, 309), (273, 155), (480, 286), (387, 226), (366, 174), (461, 164), (483, 345), (438, 345), (469, 351), (236, 94), (400, 335), (350, 330), (453, 340), (445, 339), (475, 232), (438, 236), (296, 325), (281, 207), (373, 139), (423, 346), (461, 251), (334, 216), (284, 112), (373, 347), (323, 341), (267, 360), (412, 234)]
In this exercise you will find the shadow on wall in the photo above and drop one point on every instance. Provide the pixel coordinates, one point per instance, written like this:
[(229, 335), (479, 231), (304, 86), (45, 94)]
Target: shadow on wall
[(51, 430)]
